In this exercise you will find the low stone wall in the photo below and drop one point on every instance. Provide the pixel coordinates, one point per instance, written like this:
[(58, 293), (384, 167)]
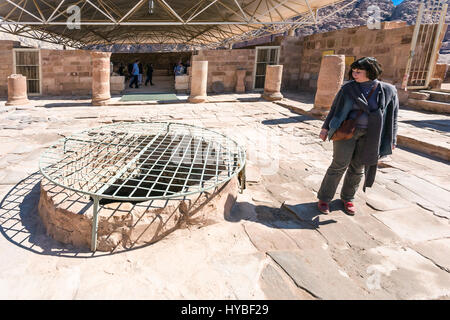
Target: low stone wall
[(182, 83), (67, 216), (117, 84), (223, 64), (390, 45)]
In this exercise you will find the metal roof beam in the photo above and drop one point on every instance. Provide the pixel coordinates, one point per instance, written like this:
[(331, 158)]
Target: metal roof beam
[(170, 10), (101, 11), (193, 17), (137, 6), (24, 10), (54, 11)]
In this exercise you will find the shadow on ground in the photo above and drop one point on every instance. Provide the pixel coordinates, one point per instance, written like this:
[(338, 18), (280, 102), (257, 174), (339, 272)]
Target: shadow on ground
[(306, 216), (295, 119), (21, 224), (438, 125), (66, 104)]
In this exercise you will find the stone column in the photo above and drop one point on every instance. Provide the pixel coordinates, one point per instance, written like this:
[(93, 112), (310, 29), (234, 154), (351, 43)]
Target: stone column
[(100, 78), (272, 83), (331, 76), (199, 81), (240, 81), (17, 90)]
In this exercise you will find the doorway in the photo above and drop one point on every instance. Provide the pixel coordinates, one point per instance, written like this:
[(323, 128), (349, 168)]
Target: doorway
[(27, 63), (264, 56), (163, 77)]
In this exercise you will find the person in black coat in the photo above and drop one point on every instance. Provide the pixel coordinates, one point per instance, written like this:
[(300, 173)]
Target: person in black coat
[(121, 69), (149, 74)]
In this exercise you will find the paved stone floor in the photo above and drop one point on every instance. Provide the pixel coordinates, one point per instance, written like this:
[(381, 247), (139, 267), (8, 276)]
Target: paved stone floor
[(273, 245)]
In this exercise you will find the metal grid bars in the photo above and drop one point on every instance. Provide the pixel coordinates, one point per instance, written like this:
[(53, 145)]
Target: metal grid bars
[(190, 22), (142, 161)]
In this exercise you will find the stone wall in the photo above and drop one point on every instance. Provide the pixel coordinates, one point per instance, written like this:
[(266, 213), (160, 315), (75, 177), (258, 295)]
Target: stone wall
[(290, 56), (6, 65), (390, 45), (223, 64), (66, 72)]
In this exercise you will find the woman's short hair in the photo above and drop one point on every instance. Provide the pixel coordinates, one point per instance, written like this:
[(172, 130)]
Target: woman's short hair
[(370, 64)]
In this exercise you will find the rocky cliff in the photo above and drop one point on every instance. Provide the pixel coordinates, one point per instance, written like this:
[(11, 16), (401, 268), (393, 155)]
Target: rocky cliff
[(357, 14)]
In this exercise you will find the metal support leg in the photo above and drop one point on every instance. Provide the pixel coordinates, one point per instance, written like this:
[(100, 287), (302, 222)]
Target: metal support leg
[(94, 224), (242, 180)]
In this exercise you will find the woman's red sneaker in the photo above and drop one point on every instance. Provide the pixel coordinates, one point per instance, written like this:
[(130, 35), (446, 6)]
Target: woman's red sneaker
[(349, 207), (323, 207)]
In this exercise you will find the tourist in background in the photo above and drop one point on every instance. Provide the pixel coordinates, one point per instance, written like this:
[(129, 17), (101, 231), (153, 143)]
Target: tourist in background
[(120, 71), (149, 74), (373, 106), (135, 75), (130, 70), (179, 69), (141, 72)]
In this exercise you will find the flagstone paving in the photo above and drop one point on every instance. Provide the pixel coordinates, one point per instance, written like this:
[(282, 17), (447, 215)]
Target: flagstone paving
[(273, 245)]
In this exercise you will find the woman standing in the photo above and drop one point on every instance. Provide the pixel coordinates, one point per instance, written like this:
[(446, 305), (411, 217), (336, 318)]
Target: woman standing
[(373, 105)]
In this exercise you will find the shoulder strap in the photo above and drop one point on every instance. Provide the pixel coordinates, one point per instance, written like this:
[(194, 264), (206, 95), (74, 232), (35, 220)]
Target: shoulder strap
[(368, 97), (372, 91)]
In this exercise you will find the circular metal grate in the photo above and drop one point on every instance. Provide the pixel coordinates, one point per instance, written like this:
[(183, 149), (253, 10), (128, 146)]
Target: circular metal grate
[(142, 161)]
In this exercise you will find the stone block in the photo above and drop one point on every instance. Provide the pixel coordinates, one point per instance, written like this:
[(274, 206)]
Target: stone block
[(406, 39), (331, 43), (440, 70), (393, 24), (419, 95)]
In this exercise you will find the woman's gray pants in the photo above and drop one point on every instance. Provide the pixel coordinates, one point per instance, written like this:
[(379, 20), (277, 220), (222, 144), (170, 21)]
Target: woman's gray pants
[(346, 154)]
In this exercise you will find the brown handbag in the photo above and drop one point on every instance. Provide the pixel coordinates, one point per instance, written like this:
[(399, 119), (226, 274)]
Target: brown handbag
[(346, 130), (348, 127)]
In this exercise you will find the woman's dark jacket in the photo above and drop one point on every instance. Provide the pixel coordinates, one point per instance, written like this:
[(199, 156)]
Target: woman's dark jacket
[(387, 102), (388, 105)]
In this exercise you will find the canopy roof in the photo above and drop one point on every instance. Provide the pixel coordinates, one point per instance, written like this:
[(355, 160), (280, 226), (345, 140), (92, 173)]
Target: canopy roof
[(191, 22)]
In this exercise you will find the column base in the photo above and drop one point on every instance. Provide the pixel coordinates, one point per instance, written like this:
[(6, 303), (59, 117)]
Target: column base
[(239, 90), (20, 102), (103, 102), (197, 99), (273, 96), (318, 111)]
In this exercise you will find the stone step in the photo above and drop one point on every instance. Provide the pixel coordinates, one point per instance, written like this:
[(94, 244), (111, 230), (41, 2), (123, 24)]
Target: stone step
[(425, 141), (428, 105), (438, 96)]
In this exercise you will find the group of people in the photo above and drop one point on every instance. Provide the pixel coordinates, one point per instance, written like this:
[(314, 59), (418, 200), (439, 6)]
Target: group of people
[(180, 68), (135, 70)]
